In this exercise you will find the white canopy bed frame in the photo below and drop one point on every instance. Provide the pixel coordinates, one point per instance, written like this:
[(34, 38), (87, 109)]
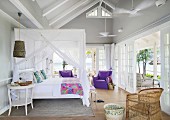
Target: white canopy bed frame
[(69, 44)]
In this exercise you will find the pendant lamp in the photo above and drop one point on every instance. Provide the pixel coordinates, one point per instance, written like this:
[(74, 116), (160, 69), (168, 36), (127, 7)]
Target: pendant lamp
[(19, 46)]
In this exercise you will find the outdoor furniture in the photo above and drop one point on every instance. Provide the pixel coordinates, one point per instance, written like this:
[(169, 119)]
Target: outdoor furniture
[(156, 82), (143, 81), (66, 73), (102, 79), (114, 111), (144, 105)]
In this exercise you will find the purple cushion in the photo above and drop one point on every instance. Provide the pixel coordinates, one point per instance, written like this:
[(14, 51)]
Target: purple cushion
[(67, 73), (101, 80), (104, 74)]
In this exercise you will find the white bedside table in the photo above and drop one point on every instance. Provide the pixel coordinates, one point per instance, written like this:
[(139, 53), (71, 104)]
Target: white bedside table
[(20, 101)]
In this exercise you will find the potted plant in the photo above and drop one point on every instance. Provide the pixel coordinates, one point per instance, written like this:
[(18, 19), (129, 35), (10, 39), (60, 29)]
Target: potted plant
[(64, 64)]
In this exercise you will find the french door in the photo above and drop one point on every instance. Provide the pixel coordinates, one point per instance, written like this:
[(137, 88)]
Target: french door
[(116, 66), (122, 66), (165, 70), (131, 72), (127, 67)]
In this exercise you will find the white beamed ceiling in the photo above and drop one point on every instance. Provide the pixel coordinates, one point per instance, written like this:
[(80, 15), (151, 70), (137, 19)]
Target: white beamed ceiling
[(60, 12), (50, 13)]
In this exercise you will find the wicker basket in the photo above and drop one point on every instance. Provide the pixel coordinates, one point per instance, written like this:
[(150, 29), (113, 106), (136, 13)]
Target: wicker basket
[(25, 83), (114, 111)]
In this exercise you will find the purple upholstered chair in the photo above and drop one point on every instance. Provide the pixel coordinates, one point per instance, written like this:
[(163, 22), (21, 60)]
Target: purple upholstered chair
[(66, 73), (101, 80)]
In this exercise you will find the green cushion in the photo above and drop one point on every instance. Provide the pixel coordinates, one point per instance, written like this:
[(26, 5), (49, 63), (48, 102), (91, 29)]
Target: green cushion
[(43, 74), (38, 78)]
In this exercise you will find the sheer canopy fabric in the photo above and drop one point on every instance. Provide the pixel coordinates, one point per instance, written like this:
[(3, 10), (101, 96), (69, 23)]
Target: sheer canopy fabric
[(107, 48), (69, 44)]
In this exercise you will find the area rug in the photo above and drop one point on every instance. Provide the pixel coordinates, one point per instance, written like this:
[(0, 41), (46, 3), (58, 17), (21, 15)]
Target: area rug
[(54, 108)]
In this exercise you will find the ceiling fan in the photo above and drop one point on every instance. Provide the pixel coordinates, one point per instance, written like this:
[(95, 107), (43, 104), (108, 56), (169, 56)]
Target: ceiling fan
[(135, 10), (105, 33)]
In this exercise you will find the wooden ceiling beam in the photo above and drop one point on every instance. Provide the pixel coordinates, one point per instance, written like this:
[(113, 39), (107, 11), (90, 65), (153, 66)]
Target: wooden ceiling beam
[(77, 14), (101, 1), (53, 7), (66, 12), (11, 19), (110, 4), (26, 12)]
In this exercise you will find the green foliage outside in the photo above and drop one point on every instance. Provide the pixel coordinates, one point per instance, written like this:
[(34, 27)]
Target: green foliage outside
[(144, 56), (88, 52), (159, 77), (151, 76)]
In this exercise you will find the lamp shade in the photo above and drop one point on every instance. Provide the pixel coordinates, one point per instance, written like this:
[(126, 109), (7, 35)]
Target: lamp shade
[(19, 49)]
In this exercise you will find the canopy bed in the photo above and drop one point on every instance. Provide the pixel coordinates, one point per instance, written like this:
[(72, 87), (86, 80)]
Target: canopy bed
[(69, 44)]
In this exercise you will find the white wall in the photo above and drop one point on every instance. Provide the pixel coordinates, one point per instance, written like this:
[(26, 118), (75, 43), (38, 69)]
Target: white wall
[(6, 31), (92, 26), (132, 25)]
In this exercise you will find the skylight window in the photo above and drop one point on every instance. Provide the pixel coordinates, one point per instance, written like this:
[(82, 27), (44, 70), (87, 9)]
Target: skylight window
[(99, 12)]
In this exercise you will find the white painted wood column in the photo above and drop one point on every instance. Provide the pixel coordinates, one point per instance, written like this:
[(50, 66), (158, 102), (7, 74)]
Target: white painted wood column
[(93, 60), (97, 60), (155, 60)]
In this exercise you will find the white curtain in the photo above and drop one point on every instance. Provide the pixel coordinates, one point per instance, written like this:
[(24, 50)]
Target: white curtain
[(15, 72), (67, 44), (112, 62), (107, 48)]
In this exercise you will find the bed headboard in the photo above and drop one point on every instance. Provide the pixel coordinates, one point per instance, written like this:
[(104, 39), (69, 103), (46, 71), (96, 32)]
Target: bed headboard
[(26, 70)]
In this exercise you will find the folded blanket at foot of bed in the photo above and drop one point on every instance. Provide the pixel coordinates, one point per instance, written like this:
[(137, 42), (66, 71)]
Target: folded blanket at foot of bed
[(71, 88)]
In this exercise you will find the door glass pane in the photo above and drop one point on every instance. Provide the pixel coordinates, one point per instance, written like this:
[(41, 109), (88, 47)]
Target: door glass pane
[(130, 66), (166, 70)]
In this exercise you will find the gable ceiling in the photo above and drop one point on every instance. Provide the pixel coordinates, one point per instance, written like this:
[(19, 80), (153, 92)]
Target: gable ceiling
[(60, 12), (57, 13)]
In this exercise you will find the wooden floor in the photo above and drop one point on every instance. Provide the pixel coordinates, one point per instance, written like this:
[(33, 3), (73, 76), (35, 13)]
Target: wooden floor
[(109, 96)]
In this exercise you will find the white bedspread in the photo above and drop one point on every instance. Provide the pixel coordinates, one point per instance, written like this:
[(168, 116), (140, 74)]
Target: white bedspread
[(50, 88)]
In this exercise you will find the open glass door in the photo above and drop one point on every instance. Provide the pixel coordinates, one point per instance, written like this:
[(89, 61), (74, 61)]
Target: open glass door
[(122, 66), (116, 66), (165, 70), (130, 68), (127, 64)]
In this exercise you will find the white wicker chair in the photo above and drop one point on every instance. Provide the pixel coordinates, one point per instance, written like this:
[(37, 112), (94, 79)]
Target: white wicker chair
[(144, 82)]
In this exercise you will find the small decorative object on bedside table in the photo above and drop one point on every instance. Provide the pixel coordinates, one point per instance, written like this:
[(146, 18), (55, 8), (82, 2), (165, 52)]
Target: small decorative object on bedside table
[(14, 84)]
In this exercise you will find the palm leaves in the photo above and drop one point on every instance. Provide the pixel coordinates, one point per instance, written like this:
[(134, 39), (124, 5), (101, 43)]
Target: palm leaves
[(144, 56)]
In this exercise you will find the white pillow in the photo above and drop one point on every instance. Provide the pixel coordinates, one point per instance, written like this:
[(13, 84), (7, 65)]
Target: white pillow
[(26, 76)]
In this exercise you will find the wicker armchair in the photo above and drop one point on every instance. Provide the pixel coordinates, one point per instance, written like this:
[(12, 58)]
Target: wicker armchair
[(144, 105)]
